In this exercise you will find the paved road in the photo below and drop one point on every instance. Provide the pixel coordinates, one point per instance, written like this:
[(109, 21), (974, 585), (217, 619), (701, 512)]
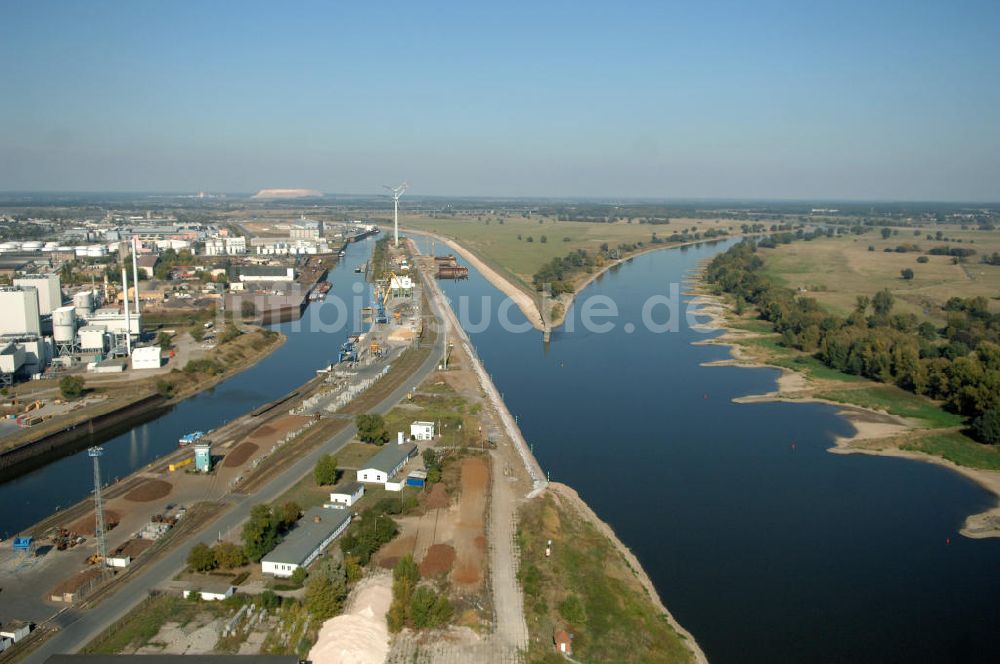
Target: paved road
[(77, 628)]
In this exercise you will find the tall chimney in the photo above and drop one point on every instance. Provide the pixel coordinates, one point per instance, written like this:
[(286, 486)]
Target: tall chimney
[(128, 318), (135, 275)]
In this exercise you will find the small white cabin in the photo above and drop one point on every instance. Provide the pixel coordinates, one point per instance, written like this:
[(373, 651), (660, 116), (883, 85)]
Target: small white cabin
[(422, 431)]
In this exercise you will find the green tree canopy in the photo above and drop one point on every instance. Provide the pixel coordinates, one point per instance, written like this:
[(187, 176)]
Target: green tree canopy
[(260, 532), (201, 558), (229, 556), (325, 472), (987, 426), (371, 428), (71, 387)]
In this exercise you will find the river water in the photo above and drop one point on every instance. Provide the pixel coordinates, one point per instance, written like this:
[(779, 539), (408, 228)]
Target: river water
[(312, 342), (764, 545)]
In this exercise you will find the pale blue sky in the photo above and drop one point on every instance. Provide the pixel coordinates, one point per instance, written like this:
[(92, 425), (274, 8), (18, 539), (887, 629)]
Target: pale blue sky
[(860, 100)]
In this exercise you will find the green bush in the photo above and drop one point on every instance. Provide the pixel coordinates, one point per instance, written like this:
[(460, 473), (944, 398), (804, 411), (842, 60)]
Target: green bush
[(71, 387)]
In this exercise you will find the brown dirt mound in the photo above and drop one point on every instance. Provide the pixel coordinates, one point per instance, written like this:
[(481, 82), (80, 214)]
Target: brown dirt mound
[(263, 431), (439, 559), (240, 455), (468, 574), (480, 543), (438, 497), (149, 490), (86, 525)]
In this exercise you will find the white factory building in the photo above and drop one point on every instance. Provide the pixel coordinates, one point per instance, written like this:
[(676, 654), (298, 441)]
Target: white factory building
[(265, 246), (226, 246), (147, 357)]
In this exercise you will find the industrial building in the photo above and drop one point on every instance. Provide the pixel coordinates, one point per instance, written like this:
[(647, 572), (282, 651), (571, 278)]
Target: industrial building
[(48, 288), (19, 310), (147, 357), (347, 494), (311, 535), (266, 246), (226, 246), (382, 467)]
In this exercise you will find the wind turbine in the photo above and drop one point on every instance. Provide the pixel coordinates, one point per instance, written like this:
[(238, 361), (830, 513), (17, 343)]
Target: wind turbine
[(396, 193)]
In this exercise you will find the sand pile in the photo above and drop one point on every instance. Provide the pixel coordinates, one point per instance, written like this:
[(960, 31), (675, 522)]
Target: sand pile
[(361, 635)]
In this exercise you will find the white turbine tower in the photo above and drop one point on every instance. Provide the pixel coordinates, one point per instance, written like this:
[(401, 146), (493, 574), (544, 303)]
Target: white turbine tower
[(396, 193)]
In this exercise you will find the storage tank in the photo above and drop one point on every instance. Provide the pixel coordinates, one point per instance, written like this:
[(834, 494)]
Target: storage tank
[(80, 251), (50, 246), (96, 251), (64, 248), (84, 302), (64, 325), (31, 246)]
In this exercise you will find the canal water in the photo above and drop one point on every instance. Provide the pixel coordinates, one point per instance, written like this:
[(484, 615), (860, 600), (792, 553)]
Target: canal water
[(313, 341), (764, 545)]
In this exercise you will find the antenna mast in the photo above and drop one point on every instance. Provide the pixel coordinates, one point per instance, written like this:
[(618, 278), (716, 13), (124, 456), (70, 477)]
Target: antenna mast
[(102, 543), (396, 193)]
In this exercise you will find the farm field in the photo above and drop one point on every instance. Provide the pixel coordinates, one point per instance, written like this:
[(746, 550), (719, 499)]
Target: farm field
[(836, 270)]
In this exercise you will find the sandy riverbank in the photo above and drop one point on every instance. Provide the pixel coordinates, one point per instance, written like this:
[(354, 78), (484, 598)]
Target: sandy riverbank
[(572, 497), (870, 426)]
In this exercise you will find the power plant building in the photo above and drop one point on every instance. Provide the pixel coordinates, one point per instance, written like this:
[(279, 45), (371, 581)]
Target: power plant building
[(49, 290), (19, 310)]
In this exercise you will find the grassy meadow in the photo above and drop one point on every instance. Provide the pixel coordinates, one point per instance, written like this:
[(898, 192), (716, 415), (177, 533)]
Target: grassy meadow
[(836, 270)]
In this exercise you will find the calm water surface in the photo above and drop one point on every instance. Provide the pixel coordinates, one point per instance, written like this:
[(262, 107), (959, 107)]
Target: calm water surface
[(764, 545)]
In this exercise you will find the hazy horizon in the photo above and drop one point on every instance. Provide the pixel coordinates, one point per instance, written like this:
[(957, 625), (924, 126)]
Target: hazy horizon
[(660, 101)]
